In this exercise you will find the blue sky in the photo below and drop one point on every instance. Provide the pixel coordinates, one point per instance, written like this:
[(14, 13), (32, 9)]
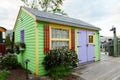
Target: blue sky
[(101, 13)]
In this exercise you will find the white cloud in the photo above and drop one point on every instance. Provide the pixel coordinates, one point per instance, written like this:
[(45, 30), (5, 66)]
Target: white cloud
[(101, 13), (8, 12)]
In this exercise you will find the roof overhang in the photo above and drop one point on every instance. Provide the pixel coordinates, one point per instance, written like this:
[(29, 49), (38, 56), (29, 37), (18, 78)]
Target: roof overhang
[(2, 29)]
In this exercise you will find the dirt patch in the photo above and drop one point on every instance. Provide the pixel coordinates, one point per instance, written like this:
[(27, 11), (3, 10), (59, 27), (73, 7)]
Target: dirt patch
[(20, 74), (17, 74)]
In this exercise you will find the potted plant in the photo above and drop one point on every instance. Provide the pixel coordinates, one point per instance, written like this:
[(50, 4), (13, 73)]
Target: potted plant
[(22, 46), (19, 47)]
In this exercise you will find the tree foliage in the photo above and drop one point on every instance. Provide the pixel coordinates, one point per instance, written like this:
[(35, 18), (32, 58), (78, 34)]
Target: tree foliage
[(8, 41), (45, 5)]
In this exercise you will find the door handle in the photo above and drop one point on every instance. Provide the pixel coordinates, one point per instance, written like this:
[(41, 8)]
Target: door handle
[(78, 46), (94, 57), (87, 45)]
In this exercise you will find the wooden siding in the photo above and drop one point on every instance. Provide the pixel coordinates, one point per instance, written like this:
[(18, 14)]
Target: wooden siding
[(27, 23), (97, 46), (41, 48), (76, 40)]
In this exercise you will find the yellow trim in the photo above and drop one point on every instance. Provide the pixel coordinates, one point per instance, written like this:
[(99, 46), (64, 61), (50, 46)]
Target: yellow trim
[(21, 8), (93, 38), (76, 40), (58, 26), (33, 16), (36, 48)]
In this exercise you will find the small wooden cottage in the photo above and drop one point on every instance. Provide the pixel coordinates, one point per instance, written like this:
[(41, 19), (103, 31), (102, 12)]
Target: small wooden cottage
[(42, 31)]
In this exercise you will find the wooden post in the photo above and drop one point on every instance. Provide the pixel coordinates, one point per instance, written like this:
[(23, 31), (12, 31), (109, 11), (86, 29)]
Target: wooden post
[(115, 41)]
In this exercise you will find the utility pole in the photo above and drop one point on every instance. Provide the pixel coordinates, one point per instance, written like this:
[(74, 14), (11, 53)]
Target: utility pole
[(115, 41)]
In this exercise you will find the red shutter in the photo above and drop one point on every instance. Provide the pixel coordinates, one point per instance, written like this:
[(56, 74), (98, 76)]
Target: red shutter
[(72, 39), (46, 39)]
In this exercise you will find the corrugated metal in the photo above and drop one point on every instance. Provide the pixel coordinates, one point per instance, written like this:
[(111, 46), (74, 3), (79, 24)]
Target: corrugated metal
[(54, 18), (28, 24), (41, 48)]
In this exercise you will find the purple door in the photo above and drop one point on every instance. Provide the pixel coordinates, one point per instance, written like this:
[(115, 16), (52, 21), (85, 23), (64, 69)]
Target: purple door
[(82, 50), (90, 46), (85, 49)]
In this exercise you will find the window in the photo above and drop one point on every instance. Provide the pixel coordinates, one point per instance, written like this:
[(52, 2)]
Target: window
[(91, 39), (22, 35), (59, 38)]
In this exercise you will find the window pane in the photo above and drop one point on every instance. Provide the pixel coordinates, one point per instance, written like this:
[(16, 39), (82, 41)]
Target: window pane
[(53, 33), (90, 38), (22, 36), (66, 34), (59, 44), (59, 33), (66, 43), (53, 44)]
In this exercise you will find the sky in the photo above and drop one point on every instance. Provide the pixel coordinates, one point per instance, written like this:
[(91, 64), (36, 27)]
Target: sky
[(100, 13)]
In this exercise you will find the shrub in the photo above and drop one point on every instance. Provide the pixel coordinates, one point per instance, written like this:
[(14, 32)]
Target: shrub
[(8, 41), (58, 62), (4, 74), (9, 61)]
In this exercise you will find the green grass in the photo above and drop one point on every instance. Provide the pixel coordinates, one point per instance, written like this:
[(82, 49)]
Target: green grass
[(4, 74)]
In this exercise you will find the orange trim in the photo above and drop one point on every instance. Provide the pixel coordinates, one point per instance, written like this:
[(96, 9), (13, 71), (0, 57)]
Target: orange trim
[(2, 29)]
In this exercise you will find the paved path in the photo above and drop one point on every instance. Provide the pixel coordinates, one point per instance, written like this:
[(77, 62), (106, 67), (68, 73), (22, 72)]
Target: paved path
[(106, 69)]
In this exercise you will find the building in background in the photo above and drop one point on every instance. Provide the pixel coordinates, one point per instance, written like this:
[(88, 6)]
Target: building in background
[(2, 40), (2, 34)]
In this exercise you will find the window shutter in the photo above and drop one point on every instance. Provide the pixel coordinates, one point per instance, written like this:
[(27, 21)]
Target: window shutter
[(46, 39), (72, 39)]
